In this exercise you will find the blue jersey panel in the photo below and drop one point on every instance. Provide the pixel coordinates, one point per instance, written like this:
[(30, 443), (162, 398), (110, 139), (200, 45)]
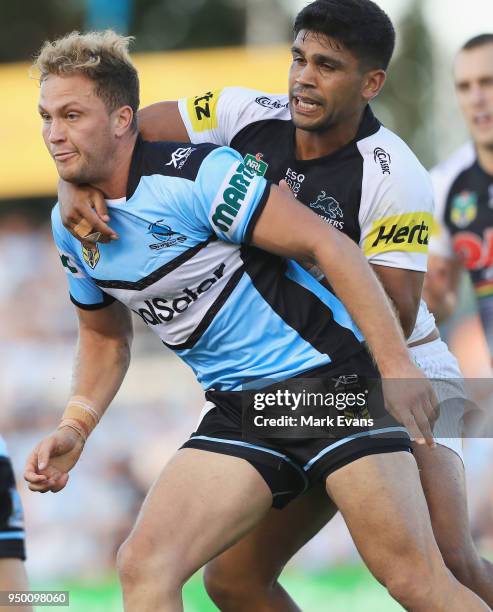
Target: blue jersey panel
[(248, 341)]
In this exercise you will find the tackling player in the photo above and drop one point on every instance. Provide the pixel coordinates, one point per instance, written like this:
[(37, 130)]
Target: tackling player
[(201, 260), (362, 179), (464, 193), (12, 547)]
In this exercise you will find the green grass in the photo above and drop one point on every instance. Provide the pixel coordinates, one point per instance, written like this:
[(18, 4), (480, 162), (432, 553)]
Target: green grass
[(338, 590)]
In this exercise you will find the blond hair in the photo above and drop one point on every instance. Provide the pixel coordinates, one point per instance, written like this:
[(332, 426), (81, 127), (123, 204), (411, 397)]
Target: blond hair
[(102, 57)]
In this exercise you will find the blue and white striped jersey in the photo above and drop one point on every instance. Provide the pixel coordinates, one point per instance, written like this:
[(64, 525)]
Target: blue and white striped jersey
[(233, 313)]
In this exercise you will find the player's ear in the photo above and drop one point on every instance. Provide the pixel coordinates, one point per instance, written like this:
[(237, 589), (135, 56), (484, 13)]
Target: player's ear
[(372, 84), (122, 120)]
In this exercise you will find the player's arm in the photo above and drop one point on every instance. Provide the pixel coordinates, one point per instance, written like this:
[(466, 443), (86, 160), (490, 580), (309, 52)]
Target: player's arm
[(287, 228), (404, 288), (83, 208), (441, 286), (100, 365)]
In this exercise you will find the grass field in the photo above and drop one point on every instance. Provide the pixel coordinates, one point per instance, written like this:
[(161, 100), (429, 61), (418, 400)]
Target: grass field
[(340, 590)]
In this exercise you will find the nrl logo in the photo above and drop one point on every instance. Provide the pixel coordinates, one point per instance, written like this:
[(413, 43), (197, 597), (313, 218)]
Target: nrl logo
[(255, 163), (91, 256), (328, 205)]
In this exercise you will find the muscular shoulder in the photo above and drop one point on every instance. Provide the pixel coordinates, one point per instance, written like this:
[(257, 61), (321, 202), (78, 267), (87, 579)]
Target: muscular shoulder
[(393, 177), (218, 115)]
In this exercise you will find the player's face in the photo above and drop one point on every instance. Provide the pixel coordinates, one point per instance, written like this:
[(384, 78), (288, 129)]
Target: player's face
[(474, 86), (325, 83), (76, 128)]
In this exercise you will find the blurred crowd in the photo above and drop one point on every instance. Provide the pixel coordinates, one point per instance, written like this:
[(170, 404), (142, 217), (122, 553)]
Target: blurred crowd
[(75, 533)]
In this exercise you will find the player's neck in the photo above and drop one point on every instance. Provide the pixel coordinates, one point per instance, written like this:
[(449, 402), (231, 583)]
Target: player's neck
[(311, 145), (116, 185), (485, 158)]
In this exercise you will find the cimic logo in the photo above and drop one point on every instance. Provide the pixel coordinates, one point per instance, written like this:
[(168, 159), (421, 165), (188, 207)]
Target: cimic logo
[(270, 103), (383, 158), (161, 310), (233, 197)]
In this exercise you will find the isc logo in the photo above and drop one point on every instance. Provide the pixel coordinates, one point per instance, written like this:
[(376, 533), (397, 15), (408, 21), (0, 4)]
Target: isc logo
[(409, 232)]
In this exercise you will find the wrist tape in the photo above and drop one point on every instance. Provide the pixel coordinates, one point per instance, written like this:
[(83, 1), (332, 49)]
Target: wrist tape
[(80, 415)]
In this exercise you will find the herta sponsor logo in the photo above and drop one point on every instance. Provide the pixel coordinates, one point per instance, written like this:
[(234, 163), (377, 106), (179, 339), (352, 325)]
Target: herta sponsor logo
[(464, 209), (179, 157), (255, 163), (91, 255), (166, 236), (383, 158), (160, 310), (267, 102), (202, 111), (409, 232), (232, 198), (329, 209)]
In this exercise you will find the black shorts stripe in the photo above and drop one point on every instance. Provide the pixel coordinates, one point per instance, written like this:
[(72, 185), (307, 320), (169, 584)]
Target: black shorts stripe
[(159, 273)]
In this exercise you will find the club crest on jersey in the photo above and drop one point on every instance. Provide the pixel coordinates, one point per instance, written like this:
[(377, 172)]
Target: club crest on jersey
[(165, 235), (329, 209), (179, 157), (255, 163), (91, 256), (464, 209)]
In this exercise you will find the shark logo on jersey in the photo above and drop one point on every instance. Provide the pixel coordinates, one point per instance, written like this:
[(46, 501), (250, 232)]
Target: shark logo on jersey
[(179, 157), (329, 209), (166, 236), (91, 256), (464, 209), (255, 163)]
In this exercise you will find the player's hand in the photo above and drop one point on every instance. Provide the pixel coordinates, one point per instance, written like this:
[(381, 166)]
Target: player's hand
[(84, 213), (48, 465), (410, 399)]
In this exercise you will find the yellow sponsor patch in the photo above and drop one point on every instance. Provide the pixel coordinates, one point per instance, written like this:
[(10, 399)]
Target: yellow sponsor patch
[(202, 111), (409, 232)]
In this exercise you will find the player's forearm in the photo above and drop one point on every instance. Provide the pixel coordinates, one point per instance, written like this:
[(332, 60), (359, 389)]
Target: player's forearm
[(99, 368), (359, 289)]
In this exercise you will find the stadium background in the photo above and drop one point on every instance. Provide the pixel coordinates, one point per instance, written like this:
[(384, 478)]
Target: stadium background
[(181, 49)]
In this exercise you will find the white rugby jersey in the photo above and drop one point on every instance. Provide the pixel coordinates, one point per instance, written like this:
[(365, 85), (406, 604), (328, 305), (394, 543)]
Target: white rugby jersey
[(374, 189), (464, 224), (235, 314)]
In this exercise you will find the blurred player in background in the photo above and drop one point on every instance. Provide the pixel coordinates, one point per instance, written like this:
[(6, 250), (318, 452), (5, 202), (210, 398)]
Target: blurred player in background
[(464, 194), (244, 315), (324, 141), (12, 547)]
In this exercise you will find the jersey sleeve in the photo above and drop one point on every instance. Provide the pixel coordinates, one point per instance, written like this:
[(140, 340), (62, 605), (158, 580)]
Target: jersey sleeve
[(84, 292), (218, 115), (228, 197), (441, 241), (396, 211)]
